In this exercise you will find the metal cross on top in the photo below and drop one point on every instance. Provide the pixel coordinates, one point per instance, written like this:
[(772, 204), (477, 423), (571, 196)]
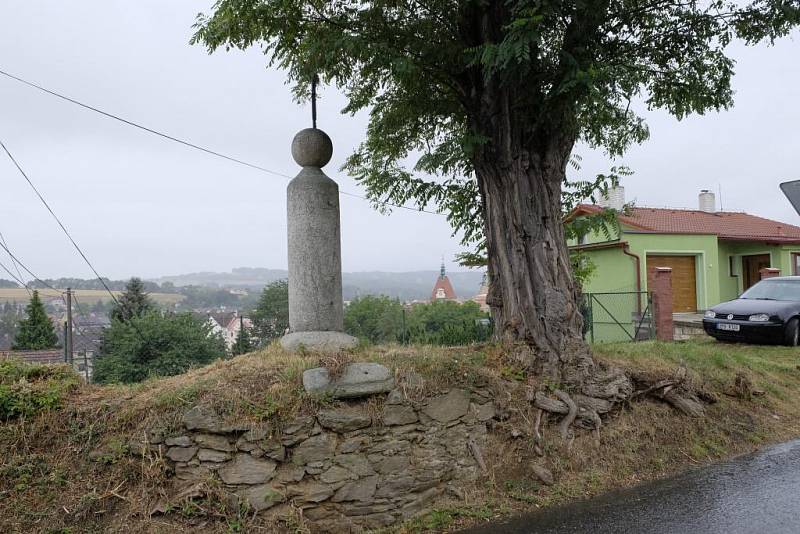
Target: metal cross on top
[(314, 82)]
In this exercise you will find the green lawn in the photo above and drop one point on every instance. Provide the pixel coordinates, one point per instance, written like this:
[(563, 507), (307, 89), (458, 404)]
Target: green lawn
[(713, 360)]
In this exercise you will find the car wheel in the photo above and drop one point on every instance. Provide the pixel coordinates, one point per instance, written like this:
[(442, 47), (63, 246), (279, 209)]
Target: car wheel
[(792, 332)]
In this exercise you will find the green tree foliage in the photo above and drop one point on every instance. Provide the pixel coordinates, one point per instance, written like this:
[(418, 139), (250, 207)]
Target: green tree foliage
[(582, 267), (35, 331), (208, 297), (133, 302), (155, 344), (271, 316), (447, 323), (243, 343), (8, 284), (378, 319), (10, 316), (486, 99)]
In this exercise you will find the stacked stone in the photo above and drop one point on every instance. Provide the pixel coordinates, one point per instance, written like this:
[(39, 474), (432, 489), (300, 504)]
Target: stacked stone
[(341, 467)]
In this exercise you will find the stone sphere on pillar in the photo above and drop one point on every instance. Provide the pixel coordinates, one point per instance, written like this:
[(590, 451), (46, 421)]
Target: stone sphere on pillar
[(312, 148), (316, 317)]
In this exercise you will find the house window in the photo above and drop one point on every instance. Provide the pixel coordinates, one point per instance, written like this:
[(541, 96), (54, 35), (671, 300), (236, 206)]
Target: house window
[(732, 266), (796, 263)]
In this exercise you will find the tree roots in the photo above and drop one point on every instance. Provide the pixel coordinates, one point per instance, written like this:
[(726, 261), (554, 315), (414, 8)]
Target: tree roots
[(609, 388)]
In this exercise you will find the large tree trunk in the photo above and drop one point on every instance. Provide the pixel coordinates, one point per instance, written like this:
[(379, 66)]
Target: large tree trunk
[(532, 293)]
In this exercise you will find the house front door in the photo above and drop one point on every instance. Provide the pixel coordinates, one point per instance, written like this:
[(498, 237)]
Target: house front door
[(751, 267)]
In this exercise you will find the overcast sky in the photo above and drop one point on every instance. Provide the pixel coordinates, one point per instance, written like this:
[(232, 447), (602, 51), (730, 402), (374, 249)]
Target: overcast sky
[(140, 205)]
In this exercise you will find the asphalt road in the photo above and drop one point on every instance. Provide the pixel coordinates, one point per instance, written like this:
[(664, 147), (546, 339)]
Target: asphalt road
[(757, 493)]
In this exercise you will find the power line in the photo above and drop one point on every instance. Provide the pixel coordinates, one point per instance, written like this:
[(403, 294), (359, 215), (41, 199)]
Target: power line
[(16, 267), (12, 275), (46, 205), (15, 258), (139, 126), (188, 143)]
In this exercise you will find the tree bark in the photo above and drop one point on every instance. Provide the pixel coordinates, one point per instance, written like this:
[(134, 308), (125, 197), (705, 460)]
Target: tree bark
[(532, 293)]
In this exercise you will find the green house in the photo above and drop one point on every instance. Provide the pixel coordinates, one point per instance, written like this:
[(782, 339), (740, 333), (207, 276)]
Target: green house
[(714, 255)]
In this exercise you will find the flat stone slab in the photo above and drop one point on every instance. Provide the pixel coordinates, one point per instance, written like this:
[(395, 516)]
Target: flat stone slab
[(315, 449), (357, 380), (450, 407), (181, 454), (398, 414), (263, 497), (245, 469), (343, 420), (318, 341)]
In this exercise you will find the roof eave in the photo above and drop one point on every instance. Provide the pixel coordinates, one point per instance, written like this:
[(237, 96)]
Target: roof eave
[(763, 239), (599, 246)]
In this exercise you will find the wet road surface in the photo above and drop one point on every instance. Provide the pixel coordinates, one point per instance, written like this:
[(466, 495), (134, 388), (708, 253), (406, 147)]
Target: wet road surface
[(757, 493)]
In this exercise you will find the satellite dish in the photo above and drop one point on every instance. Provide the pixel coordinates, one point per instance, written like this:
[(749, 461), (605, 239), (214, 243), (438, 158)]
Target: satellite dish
[(792, 192)]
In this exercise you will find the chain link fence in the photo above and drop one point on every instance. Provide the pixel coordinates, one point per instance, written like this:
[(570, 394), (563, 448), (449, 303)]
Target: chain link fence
[(619, 316)]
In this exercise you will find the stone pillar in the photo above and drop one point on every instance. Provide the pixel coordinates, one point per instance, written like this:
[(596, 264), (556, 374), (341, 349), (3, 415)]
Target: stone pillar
[(769, 272), (662, 303), (316, 318)]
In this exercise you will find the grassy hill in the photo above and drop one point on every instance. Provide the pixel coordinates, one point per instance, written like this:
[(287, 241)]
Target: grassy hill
[(68, 466)]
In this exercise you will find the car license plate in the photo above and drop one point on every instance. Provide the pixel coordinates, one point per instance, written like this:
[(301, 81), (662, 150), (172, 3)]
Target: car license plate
[(727, 326)]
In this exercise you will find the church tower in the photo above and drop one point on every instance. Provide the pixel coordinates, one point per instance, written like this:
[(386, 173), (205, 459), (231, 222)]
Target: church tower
[(442, 289)]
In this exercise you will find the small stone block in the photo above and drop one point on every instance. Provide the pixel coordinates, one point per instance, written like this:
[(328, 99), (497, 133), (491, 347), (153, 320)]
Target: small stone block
[(181, 454), (343, 421), (180, 441), (211, 455), (398, 414), (245, 469), (448, 407)]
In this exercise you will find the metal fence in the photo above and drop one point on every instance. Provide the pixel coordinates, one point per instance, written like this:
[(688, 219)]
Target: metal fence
[(620, 316)]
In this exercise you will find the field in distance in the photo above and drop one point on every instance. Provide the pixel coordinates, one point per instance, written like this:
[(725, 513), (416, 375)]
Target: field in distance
[(20, 295)]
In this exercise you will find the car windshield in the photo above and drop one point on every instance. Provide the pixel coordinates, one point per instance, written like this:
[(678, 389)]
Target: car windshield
[(774, 290)]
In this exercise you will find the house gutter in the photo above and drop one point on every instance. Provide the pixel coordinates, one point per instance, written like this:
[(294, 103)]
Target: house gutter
[(638, 264)]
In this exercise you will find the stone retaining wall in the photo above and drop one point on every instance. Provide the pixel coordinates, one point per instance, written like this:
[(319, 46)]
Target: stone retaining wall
[(340, 466)]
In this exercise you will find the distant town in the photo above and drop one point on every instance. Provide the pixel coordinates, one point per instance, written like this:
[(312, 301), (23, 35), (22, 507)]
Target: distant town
[(223, 300)]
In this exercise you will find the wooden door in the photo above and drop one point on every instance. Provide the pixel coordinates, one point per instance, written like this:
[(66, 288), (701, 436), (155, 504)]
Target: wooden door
[(684, 280), (751, 267)]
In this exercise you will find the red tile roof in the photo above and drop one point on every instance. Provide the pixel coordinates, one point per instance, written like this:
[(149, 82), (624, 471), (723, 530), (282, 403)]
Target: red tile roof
[(35, 356), (724, 224), (443, 283)]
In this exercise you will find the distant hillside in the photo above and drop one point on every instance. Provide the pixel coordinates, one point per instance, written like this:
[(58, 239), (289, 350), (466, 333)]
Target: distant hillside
[(239, 277), (406, 286)]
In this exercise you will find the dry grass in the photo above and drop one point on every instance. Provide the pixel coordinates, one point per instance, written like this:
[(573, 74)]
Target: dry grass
[(48, 483)]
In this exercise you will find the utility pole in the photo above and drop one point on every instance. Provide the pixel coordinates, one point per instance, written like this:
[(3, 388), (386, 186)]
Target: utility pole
[(68, 338), (86, 366), (66, 359)]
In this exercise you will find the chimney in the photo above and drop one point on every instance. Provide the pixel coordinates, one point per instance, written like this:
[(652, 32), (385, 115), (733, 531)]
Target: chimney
[(615, 198), (707, 201)]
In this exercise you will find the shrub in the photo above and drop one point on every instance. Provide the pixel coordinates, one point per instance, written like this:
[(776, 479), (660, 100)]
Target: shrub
[(27, 389), (155, 344)]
